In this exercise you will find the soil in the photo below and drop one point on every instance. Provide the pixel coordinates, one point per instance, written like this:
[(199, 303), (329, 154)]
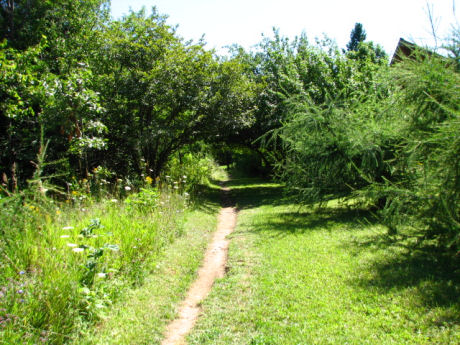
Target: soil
[(213, 267)]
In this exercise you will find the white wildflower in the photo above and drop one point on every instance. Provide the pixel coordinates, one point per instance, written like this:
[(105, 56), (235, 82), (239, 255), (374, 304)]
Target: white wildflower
[(77, 250), (71, 245), (67, 228), (65, 236), (127, 188)]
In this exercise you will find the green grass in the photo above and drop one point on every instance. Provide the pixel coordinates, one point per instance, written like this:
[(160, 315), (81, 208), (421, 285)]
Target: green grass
[(141, 317), (55, 283), (326, 277)]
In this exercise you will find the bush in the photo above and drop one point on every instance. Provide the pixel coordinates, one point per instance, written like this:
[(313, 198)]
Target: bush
[(187, 171)]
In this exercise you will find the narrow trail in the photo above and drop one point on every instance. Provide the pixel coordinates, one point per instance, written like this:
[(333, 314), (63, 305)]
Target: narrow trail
[(213, 267)]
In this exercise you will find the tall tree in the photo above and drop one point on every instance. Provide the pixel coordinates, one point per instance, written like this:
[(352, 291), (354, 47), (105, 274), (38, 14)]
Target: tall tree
[(358, 35)]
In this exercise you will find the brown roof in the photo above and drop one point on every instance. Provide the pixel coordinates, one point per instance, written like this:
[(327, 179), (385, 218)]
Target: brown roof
[(406, 49)]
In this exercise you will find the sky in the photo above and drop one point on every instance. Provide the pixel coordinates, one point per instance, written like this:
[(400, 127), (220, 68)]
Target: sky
[(226, 22)]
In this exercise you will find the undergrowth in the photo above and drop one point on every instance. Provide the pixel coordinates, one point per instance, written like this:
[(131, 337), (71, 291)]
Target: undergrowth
[(67, 256)]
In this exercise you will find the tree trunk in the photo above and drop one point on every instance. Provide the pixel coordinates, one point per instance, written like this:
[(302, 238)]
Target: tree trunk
[(10, 11)]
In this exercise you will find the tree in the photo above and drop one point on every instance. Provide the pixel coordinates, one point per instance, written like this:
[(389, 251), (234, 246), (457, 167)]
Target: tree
[(47, 81), (161, 93), (358, 35)]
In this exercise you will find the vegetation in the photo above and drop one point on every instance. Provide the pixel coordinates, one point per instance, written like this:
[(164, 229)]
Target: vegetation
[(129, 321), (387, 136), (110, 128), (327, 276), (358, 35)]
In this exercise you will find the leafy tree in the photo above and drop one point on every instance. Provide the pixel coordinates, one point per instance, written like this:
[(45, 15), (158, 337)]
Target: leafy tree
[(47, 80), (358, 35), (162, 93)]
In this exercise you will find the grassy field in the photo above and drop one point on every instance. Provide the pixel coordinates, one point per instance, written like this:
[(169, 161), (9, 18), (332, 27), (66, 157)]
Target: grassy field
[(325, 277)]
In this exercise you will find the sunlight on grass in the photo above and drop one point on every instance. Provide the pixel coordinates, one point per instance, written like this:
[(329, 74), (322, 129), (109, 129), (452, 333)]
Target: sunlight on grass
[(142, 315), (331, 276)]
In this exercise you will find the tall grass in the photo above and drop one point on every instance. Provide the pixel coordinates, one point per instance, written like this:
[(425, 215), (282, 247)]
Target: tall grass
[(63, 262)]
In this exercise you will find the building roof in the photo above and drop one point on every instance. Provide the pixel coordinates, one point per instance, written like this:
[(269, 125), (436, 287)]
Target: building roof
[(406, 49)]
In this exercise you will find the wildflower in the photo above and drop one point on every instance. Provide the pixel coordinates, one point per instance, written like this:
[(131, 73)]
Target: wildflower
[(113, 200), (21, 273), (64, 236), (84, 180), (78, 250), (20, 291), (101, 275), (149, 180), (74, 192), (127, 188), (167, 177), (71, 245), (184, 177), (175, 187), (67, 228), (58, 212), (186, 194)]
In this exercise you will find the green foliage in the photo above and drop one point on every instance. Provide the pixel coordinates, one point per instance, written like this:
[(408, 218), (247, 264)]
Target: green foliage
[(144, 201), (107, 92), (188, 170), (425, 194), (388, 137), (357, 35), (62, 266)]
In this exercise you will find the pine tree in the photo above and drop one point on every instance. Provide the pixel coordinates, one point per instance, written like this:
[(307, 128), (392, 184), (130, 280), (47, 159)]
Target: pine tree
[(358, 35)]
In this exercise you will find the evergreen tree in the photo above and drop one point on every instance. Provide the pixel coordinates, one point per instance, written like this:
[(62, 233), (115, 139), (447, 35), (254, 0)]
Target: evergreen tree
[(358, 35)]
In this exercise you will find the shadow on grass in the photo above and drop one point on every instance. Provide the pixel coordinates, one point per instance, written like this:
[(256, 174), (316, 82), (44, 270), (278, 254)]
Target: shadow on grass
[(400, 263), (206, 198), (255, 192), (328, 219), (434, 274)]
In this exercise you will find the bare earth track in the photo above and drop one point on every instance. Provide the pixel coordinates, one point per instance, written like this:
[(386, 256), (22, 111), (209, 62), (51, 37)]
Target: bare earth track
[(213, 267)]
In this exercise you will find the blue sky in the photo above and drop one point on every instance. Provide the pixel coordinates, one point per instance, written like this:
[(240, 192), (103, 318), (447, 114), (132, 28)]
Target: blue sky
[(224, 22)]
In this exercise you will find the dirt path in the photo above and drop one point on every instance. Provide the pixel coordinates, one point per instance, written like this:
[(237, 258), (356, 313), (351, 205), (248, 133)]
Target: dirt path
[(213, 267)]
